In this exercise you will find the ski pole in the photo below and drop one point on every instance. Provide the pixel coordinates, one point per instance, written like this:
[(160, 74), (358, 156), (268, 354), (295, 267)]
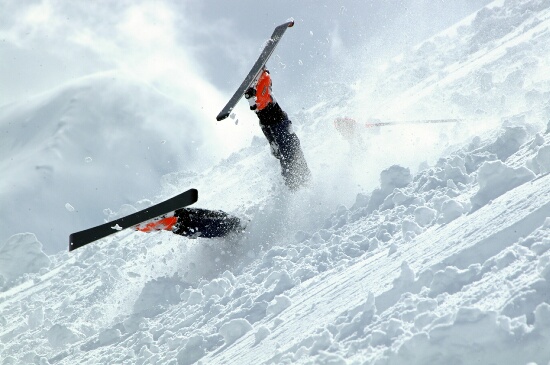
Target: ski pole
[(379, 123)]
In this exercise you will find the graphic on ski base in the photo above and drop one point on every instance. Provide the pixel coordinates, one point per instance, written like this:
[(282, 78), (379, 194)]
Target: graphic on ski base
[(168, 215), (256, 70)]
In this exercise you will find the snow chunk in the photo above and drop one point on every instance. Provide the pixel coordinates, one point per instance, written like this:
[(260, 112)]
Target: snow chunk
[(542, 317), (390, 179), (450, 210), (109, 336), (60, 335), (508, 142), (21, 253), (406, 277), (69, 207), (157, 295), (261, 334), (279, 304), (193, 350), (395, 177), (410, 226), (452, 279), (217, 287), (541, 162), (234, 329), (424, 216), (496, 178)]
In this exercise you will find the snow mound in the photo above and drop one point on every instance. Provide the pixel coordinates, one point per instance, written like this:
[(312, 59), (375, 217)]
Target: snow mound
[(20, 254), (234, 329), (495, 178)]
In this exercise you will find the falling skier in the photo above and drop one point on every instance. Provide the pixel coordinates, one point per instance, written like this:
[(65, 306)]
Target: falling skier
[(285, 146), (277, 128), (194, 222)]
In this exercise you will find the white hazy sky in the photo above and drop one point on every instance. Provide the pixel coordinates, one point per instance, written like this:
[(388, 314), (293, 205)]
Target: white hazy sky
[(198, 51)]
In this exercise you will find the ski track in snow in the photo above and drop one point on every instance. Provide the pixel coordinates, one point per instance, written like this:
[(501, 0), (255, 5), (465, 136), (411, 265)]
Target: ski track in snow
[(449, 264)]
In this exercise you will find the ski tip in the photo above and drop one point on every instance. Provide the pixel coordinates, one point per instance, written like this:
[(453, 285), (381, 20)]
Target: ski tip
[(291, 23), (222, 116)]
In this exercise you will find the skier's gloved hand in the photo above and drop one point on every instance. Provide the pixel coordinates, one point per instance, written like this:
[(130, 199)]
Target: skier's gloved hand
[(250, 95)]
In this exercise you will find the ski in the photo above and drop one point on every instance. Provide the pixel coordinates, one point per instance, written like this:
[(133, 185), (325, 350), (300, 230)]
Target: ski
[(256, 69), (136, 220)]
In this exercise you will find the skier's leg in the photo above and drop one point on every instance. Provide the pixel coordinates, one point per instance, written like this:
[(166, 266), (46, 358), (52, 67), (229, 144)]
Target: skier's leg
[(277, 128), (195, 222), (269, 134), (285, 146)]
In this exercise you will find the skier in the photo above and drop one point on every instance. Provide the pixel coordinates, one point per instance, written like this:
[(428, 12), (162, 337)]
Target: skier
[(277, 128), (285, 146)]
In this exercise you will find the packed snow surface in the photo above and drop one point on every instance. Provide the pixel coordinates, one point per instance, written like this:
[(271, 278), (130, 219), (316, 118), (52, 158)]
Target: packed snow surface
[(390, 256)]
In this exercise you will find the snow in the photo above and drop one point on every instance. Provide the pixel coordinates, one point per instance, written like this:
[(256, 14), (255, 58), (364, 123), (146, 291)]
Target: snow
[(234, 329), (20, 254), (410, 253), (495, 178)]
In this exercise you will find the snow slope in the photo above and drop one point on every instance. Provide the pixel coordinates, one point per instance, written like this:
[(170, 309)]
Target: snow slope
[(378, 262)]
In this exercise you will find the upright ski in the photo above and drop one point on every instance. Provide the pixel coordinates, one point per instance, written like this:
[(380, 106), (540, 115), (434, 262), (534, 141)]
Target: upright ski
[(256, 69), (79, 239)]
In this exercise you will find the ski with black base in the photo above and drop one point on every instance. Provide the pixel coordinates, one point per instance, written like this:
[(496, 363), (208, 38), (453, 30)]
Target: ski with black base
[(256, 69), (79, 239)]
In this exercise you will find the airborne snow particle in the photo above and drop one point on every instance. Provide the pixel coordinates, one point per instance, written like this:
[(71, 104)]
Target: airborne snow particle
[(88, 159), (69, 207)]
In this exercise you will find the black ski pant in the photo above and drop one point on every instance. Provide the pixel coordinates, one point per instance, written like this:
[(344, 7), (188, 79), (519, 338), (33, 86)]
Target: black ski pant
[(196, 222), (285, 146)]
